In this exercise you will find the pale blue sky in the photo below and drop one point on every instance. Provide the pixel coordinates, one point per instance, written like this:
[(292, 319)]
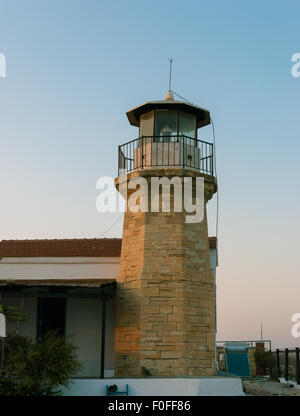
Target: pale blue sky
[(75, 67)]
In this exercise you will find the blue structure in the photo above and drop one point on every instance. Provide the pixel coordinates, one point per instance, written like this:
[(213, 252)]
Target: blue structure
[(237, 360)]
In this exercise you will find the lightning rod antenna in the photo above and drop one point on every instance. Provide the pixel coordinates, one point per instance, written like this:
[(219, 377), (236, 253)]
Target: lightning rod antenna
[(170, 78)]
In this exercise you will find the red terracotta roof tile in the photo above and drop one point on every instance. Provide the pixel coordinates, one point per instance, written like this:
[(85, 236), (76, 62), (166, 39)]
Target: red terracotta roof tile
[(84, 247)]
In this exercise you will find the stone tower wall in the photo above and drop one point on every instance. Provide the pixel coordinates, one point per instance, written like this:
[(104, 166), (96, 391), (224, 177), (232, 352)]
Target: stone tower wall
[(165, 321)]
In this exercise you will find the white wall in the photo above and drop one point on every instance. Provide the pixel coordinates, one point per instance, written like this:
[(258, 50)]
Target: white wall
[(84, 320), (83, 315), (83, 324), (211, 386), (38, 268)]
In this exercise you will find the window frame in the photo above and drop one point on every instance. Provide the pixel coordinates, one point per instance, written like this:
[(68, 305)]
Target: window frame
[(178, 112)]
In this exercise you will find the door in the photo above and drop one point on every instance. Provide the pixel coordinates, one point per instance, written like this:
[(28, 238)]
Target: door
[(51, 316)]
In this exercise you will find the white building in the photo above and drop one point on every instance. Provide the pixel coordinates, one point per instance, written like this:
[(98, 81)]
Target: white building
[(68, 285)]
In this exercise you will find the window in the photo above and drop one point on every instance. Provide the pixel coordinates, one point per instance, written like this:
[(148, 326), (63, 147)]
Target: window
[(170, 124), (165, 125), (187, 125)]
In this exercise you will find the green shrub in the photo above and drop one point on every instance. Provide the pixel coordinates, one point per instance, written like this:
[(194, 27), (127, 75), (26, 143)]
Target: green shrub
[(146, 372), (37, 368), (13, 313), (266, 361)]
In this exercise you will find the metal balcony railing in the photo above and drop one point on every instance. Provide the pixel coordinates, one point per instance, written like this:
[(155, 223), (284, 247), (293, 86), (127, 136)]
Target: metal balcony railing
[(167, 151)]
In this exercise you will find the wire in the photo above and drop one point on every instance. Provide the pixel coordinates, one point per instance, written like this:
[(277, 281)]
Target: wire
[(217, 230), (216, 173), (215, 161), (174, 92), (111, 226)]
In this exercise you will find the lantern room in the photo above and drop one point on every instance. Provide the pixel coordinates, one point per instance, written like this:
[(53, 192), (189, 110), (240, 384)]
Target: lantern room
[(168, 137)]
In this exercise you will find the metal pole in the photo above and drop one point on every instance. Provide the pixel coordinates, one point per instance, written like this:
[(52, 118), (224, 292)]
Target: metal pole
[(142, 152), (103, 338), (19, 323), (183, 150), (278, 361), (286, 364), (297, 367), (170, 77), (212, 159)]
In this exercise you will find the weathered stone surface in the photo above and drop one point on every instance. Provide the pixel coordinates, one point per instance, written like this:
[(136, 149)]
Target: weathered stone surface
[(165, 318)]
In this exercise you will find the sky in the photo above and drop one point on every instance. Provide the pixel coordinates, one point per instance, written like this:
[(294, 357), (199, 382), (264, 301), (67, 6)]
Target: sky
[(73, 70)]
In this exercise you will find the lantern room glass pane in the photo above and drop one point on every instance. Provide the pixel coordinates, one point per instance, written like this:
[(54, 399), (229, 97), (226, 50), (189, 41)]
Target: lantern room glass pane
[(165, 125), (187, 125), (146, 124)]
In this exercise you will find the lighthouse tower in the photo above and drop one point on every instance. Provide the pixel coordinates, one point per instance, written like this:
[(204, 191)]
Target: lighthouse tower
[(165, 311)]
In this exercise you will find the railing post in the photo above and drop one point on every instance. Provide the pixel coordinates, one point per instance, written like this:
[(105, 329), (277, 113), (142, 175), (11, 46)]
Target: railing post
[(286, 364), (278, 361), (183, 150), (119, 159), (212, 159), (297, 367), (142, 152)]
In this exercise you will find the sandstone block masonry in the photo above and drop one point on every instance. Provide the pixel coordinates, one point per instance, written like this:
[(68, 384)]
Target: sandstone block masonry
[(165, 311)]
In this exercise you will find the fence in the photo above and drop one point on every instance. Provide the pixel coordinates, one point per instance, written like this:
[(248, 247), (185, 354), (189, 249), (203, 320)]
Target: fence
[(288, 364), (167, 151)]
